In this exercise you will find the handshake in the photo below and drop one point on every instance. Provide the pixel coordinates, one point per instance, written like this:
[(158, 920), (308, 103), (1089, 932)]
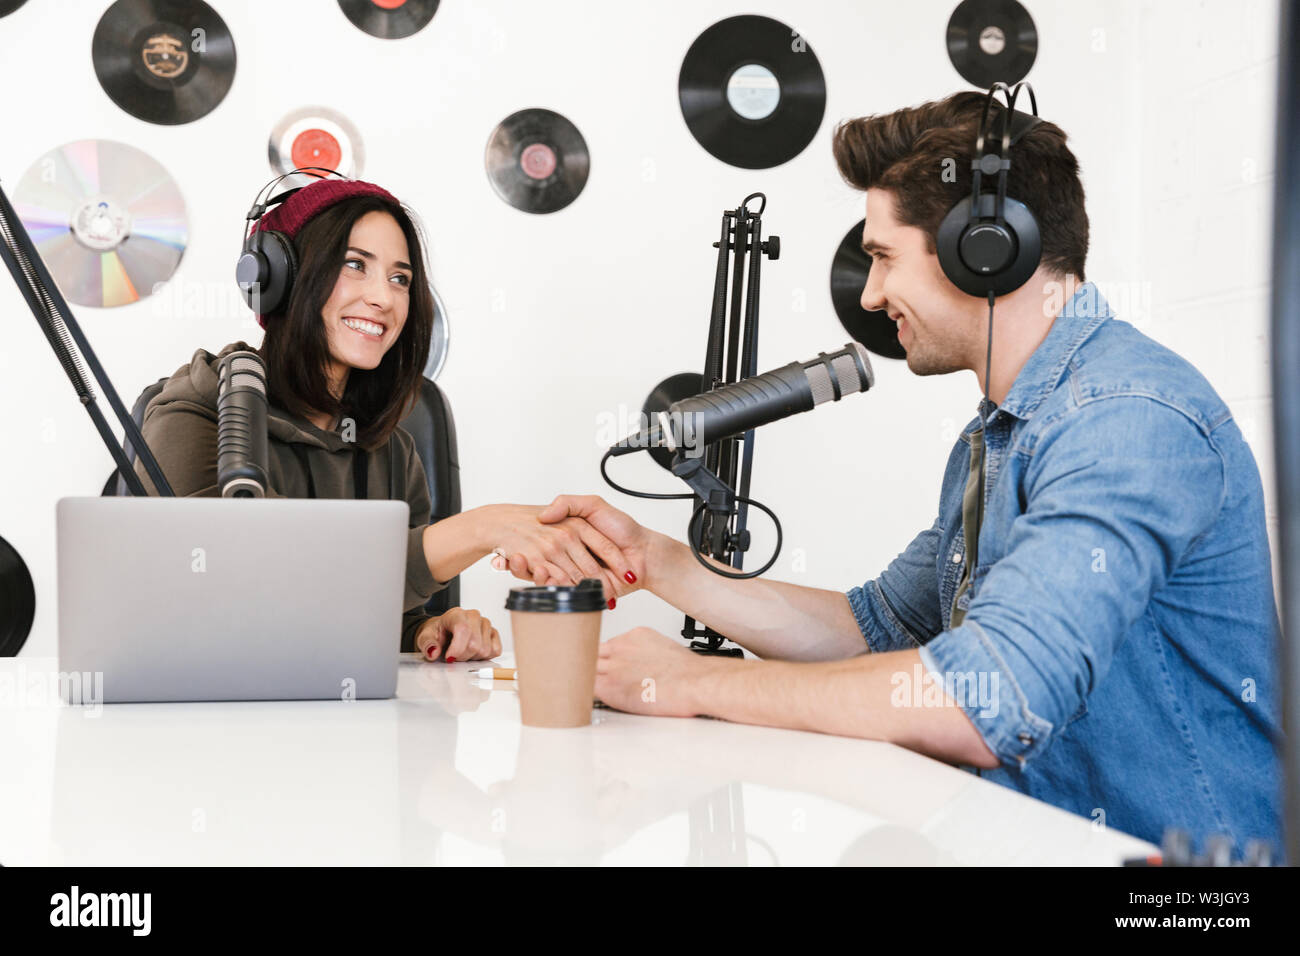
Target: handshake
[(572, 538)]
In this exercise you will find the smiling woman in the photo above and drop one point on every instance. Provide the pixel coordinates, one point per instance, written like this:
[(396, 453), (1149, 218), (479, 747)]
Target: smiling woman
[(356, 266), (344, 360)]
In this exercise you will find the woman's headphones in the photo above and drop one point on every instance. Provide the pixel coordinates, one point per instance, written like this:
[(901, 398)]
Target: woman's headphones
[(989, 243), (268, 262)]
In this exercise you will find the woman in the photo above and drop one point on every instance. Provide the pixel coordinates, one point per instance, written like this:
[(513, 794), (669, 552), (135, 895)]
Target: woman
[(344, 361)]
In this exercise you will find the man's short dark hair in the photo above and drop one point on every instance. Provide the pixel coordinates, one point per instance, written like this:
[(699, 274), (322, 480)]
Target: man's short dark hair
[(909, 151)]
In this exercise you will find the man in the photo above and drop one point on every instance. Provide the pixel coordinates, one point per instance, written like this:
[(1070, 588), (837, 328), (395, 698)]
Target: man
[(1109, 645)]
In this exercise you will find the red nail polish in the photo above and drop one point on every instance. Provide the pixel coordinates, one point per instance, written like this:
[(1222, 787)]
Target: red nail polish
[(610, 603), (629, 577), (451, 660)]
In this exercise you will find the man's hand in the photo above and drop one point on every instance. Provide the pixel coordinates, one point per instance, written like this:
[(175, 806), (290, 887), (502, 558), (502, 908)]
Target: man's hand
[(463, 634), (564, 551), (643, 672), (626, 535)]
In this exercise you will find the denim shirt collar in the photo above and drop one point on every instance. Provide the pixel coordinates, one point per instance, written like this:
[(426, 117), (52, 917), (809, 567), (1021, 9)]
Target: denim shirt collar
[(1077, 320)]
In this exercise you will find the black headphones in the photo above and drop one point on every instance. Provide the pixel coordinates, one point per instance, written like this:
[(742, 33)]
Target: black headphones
[(268, 262), (989, 242)]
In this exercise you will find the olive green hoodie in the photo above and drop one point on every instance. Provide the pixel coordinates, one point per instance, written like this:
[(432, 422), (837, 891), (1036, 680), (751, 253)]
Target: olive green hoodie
[(180, 427)]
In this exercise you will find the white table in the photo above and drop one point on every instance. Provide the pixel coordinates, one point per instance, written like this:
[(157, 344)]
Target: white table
[(445, 773)]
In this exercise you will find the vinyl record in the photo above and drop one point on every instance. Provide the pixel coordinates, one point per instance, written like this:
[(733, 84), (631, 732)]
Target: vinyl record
[(389, 19), (991, 41), (849, 270), (438, 340), (106, 218), (9, 6), (164, 61), (315, 136), (17, 600), (537, 161), (672, 389), (752, 92)]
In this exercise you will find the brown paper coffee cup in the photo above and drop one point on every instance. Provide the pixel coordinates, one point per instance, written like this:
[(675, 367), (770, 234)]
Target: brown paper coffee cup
[(557, 639)]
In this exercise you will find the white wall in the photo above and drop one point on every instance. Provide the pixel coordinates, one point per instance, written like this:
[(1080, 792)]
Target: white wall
[(557, 319)]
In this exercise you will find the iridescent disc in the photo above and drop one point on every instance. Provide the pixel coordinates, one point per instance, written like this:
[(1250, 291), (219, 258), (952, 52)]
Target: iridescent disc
[(106, 218)]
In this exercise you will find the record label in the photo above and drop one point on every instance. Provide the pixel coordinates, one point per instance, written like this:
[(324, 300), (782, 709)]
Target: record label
[(537, 161), (849, 270), (752, 92), (991, 41), (106, 218), (164, 61)]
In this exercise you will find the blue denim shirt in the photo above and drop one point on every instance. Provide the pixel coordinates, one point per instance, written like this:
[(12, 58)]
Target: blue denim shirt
[(1118, 648)]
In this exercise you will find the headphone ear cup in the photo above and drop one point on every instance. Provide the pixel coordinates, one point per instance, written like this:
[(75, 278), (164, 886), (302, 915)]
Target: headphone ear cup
[(1021, 228), (948, 245), (281, 271)]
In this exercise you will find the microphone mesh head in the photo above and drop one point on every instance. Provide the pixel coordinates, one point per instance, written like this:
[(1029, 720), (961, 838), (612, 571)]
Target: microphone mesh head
[(846, 372), (247, 371)]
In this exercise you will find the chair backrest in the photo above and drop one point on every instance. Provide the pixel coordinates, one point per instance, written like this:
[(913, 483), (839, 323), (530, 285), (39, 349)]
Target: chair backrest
[(429, 422)]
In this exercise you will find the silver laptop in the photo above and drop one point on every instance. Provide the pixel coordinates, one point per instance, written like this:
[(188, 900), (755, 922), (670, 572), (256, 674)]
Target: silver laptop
[(232, 599)]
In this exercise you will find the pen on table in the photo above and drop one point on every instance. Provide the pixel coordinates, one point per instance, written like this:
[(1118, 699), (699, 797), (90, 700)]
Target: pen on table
[(494, 673)]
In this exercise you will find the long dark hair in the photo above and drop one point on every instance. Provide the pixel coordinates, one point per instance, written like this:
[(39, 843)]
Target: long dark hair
[(295, 348)]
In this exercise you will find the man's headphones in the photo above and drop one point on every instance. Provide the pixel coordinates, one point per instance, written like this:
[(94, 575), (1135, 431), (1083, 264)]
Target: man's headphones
[(989, 242), (268, 262)]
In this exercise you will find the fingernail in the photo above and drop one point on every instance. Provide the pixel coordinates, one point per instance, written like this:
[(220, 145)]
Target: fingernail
[(611, 602), (451, 660), (629, 577)]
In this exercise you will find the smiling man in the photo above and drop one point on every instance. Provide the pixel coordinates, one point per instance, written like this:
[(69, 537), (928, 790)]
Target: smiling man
[(1104, 639)]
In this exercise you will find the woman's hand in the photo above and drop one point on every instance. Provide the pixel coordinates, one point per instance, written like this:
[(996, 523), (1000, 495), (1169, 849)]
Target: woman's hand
[(562, 552), (463, 635)]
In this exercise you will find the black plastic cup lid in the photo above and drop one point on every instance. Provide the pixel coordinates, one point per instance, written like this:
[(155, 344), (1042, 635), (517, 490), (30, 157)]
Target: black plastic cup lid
[(589, 595)]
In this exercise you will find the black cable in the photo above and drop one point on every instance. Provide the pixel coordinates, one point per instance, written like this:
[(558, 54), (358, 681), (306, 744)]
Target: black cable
[(692, 532), (690, 527), (984, 436)]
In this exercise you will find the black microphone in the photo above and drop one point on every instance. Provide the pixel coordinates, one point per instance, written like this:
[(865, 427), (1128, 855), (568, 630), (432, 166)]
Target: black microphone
[(241, 426), (733, 409)]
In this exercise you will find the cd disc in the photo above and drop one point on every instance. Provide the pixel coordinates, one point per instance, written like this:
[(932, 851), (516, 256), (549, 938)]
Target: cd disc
[(106, 218), (537, 161), (752, 92), (991, 41), (17, 600), (849, 270), (389, 19), (164, 61), (315, 136), (438, 340)]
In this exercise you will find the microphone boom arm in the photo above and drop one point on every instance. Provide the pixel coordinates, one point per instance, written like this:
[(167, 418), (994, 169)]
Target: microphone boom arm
[(57, 322)]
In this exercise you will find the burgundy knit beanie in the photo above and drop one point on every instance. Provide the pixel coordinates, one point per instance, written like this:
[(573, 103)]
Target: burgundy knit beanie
[(310, 201)]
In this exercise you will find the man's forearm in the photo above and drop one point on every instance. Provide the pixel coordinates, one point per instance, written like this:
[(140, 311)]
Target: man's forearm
[(867, 696), (772, 619)]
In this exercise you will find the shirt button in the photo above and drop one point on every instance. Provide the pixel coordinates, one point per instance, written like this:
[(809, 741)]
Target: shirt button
[(956, 557), (1024, 738)]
